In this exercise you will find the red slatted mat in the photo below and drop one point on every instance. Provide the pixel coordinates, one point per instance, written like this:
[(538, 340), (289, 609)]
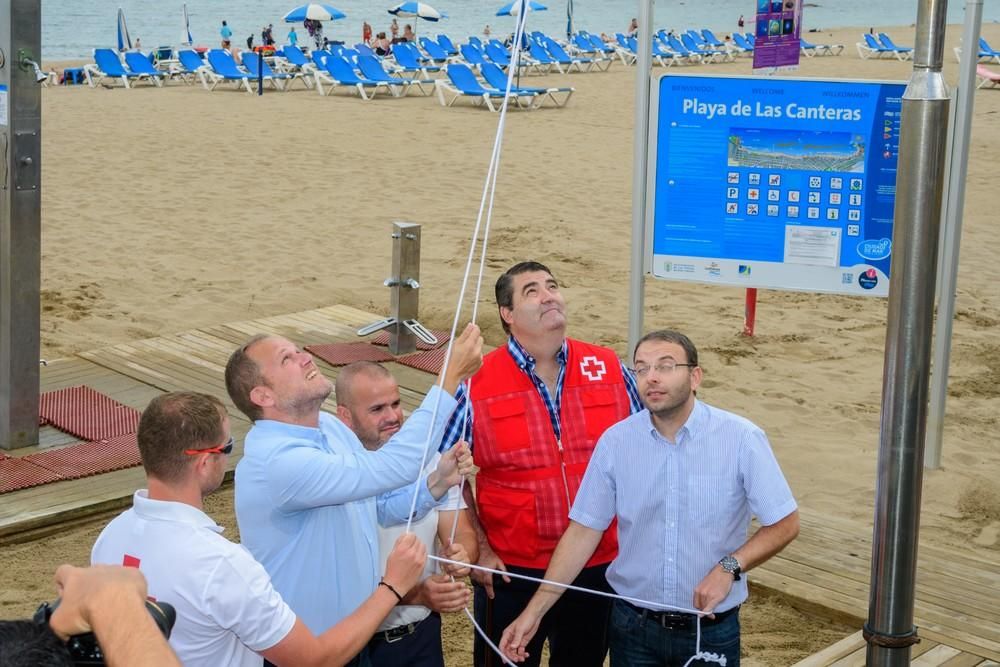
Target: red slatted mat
[(430, 362), (382, 338), (87, 414), (341, 354), (90, 458), (20, 474)]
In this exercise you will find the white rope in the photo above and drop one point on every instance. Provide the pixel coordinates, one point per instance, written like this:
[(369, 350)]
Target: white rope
[(486, 206)]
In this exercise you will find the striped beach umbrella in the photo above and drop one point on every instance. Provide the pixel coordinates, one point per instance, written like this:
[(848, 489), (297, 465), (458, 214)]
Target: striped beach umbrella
[(514, 8), (569, 19), (124, 41), (416, 10), (314, 11)]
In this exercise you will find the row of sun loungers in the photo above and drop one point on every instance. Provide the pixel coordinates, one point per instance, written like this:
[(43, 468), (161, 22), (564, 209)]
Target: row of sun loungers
[(882, 46)]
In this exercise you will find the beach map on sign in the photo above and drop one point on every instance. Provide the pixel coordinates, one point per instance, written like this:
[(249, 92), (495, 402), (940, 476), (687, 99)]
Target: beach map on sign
[(776, 183)]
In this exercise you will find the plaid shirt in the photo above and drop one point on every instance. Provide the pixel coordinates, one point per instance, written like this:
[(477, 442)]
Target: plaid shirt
[(459, 426)]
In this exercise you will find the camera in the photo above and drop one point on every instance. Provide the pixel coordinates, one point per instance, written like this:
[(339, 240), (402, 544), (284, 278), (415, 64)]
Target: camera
[(84, 649)]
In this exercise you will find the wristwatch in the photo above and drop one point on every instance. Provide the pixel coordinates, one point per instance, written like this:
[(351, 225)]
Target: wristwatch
[(732, 566)]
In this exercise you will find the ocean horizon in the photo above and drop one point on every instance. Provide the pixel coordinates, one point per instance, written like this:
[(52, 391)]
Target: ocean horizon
[(71, 29)]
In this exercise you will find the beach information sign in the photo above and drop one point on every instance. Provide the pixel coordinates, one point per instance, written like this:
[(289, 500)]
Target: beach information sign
[(773, 183), (777, 35)]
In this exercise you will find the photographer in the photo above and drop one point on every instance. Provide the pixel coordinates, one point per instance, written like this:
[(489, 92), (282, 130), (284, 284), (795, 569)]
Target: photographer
[(109, 601), (228, 613)]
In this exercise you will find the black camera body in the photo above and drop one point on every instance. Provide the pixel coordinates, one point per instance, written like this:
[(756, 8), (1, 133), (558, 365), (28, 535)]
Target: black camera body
[(84, 649)]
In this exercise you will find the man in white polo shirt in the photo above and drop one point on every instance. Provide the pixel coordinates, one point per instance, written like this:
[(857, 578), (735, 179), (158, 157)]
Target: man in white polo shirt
[(227, 611), (368, 403)]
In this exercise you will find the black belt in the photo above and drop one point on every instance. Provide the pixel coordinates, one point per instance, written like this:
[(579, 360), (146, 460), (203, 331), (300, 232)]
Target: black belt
[(677, 620), (395, 634)]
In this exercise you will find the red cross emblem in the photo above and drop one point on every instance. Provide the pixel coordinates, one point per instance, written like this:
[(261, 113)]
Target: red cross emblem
[(593, 368)]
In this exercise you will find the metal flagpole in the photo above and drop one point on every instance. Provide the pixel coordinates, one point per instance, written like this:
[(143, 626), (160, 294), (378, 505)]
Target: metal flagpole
[(20, 220), (952, 233), (637, 277), (889, 629)]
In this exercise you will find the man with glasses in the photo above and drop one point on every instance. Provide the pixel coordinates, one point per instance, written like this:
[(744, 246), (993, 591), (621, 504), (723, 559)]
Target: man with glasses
[(228, 613), (535, 412), (683, 479)]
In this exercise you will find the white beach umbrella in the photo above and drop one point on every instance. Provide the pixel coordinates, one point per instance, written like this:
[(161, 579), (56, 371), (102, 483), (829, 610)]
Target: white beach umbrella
[(314, 11), (186, 38), (416, 10)]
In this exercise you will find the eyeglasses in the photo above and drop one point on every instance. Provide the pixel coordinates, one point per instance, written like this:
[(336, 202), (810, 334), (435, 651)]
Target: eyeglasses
[(225, 448), (662, 367)]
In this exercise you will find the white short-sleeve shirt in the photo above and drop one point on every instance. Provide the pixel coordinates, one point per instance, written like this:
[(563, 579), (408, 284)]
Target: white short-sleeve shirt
[(426, 530), (227, 610)]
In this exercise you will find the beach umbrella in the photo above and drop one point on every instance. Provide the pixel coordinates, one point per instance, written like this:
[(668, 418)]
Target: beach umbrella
[(416, 10), (186, 37), (569, 19), (314, 11), (124, 41), (514, 8)]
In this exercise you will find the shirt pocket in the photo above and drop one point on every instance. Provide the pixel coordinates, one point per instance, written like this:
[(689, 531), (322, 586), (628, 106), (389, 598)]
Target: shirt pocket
[(509, 422), (712, 501)]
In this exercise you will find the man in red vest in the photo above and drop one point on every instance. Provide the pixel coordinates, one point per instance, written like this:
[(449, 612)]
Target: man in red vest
[(533, 414)]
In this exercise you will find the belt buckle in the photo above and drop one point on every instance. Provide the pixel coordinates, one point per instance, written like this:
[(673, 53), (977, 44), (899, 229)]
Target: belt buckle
[(399, 632), (673, 620)]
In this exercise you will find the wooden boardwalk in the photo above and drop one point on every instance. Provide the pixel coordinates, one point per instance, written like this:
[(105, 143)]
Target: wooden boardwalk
[(825, 570), (133, 373)]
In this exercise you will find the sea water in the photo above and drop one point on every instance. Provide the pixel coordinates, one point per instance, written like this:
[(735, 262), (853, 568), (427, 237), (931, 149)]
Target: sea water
[(72, 28)]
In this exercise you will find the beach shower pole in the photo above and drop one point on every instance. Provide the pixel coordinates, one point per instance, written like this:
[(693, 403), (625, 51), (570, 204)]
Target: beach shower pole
[(951, 236), (889, 629), (637, 276), (20, 220)]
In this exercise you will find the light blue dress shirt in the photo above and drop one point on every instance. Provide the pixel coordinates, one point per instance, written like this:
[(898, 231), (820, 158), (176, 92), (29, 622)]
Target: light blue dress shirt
[(307, 510), (680, 506)]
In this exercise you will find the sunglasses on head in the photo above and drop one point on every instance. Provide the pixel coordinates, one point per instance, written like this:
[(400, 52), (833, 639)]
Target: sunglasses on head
[(224, 448)]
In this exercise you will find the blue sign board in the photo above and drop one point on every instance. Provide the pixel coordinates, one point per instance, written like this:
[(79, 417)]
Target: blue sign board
[(774, 183)]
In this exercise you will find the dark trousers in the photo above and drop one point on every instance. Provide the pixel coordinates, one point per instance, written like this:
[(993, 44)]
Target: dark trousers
[(420, 648), (576, 626), (360, 660), (643, 642)]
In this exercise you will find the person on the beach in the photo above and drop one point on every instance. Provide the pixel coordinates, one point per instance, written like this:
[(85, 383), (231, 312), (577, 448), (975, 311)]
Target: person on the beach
[(309, 496), (683, 479), (740, 23), (487, 31), (293, 37), (535, 412), (227, 35), (267, 35), (408, 35), (381, 45), (228, 612), (368, 402), (317, 35), (394, 30), (633, 28), (366, 33)]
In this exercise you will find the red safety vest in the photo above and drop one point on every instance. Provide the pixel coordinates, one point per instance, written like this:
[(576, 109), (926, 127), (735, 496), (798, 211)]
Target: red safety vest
[(527, 479)]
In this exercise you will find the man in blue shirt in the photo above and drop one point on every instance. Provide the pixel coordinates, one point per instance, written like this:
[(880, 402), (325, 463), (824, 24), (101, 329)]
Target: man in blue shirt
[(306, 488), (683, 479)]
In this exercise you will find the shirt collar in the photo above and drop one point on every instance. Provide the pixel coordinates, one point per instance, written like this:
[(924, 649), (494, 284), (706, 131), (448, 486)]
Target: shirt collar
[(692, 426), (168, 510), (527, 362), (284, 428)]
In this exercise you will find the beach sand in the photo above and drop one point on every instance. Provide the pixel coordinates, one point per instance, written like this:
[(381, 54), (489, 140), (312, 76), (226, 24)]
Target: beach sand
[(165, 210)]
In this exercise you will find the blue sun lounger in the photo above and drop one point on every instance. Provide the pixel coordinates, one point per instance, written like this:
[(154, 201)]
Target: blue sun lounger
[(372, 68), (988, 52), (189, 65), (338, 72), (462, 83), (434, 50), (742, 43), (444, 41), (496, 78), (107, 65), (223, 68), (472, 55), (407, 58), (141, 65), (901, 52)]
